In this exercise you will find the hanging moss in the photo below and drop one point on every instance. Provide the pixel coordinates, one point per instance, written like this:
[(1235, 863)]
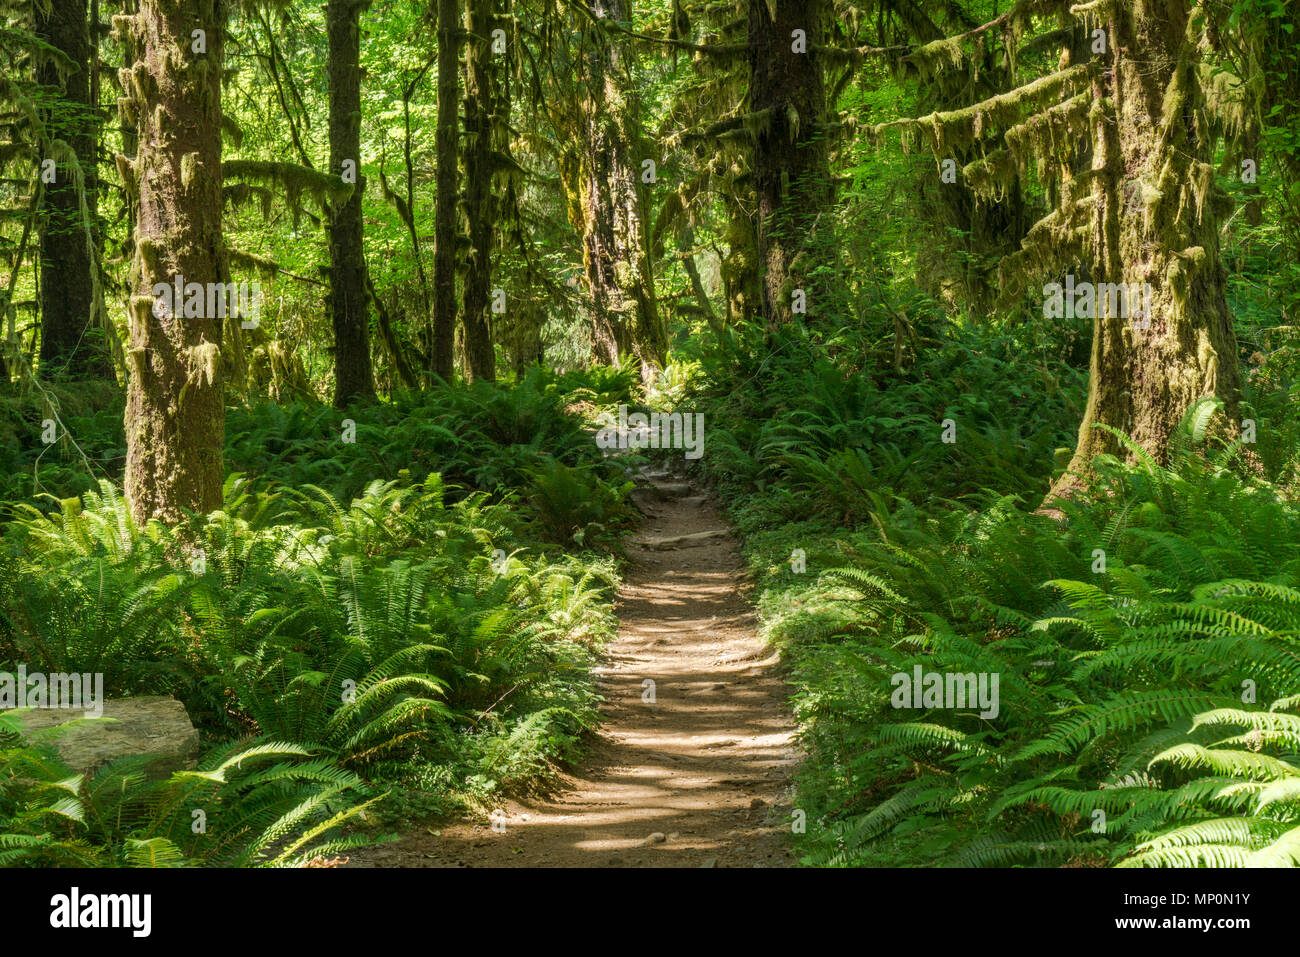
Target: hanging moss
[(231, 130), (1228, 100), (953, 128), (991, 176), (238, 195), (1059, 236), (239, 259), (292, 180), (189, 169), (758, 123), (204, 361), (12, 95), (1051, 134), (949, 53)]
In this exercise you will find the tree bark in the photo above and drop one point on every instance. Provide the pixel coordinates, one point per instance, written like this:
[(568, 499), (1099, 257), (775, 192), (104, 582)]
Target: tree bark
[(615, 233), (480, 110), (740, 274), (442, 348), (353, 375), (175, 413), (1157, 224), (787, 100), (70, 344)]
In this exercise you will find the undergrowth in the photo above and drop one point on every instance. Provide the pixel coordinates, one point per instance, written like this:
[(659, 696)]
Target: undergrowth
[(1144, 641), (367, 631)]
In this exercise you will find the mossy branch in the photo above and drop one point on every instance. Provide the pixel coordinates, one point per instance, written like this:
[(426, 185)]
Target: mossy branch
[(855, 55), (1052, 133), (958, 127), (289, 178), (1059, 237)]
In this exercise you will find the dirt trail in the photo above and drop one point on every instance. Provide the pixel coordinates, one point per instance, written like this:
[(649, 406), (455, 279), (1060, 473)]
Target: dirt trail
[(699, 778)]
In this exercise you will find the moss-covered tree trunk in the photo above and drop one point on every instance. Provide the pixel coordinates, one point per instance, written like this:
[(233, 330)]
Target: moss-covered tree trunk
[(740, 275), (175, 413), (614, 200), (442, 348), (353, 376), (69, 343), (126, 117), (480, 209), (1157, 224), (787, 101)]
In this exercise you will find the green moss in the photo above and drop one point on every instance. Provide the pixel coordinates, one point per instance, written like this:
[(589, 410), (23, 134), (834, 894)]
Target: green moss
[(292, 180), (953, 128)]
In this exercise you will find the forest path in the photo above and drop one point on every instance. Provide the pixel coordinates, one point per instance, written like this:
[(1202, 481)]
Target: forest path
[(699, 777)]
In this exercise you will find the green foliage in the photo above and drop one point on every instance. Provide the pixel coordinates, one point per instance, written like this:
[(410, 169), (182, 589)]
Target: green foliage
[(1127, 692), (1143, 638), (429, 638), (573, 507), (262, 803), (89, 440), (484, 436), (818, 438)]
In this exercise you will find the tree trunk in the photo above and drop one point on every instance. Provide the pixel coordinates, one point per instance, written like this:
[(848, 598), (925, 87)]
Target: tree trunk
[(69, 343), (615, 233), (740, 264), (353, 376), (442, 348), (1158, 224), (480, 208), (787, 100), (175, 413), (127, 127)]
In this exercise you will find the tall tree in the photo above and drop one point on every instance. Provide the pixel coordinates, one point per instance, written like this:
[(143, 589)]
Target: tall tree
[(613, 202), (1143, 219), (441, 349), (480, 121), (1146, 383), (353, 376), (175, 413), (791, 172), (69, 342)]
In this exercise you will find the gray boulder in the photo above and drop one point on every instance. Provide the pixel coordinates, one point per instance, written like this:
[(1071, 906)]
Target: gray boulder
[(156, 726)]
